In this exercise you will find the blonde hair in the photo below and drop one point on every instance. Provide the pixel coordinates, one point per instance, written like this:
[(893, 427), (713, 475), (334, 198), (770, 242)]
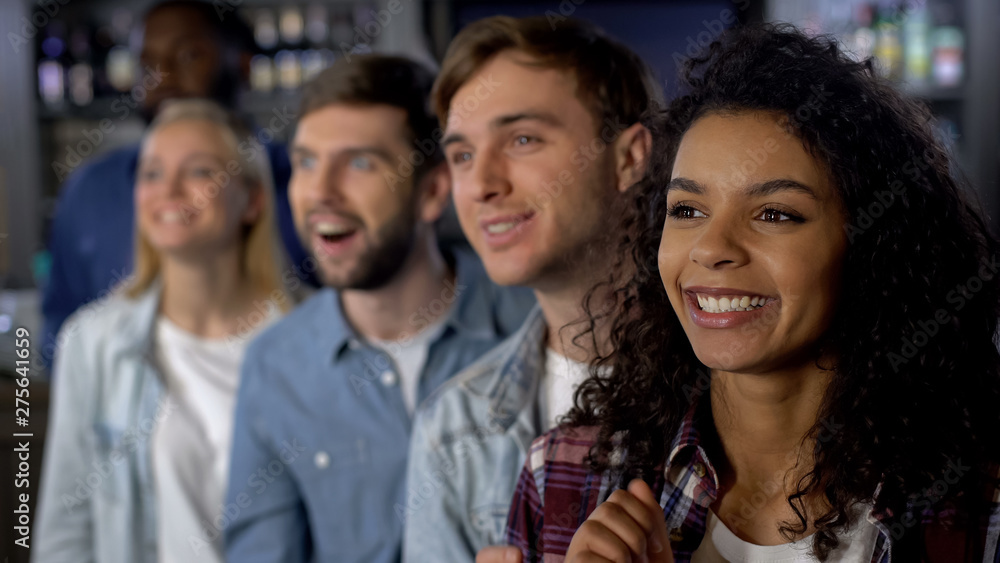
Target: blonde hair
[(262, 256)]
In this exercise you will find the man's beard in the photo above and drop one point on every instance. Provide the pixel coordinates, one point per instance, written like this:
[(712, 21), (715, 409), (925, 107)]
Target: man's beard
[(383, 261)]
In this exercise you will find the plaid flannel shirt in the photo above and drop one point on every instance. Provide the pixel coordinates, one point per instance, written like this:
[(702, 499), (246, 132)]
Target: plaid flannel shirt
[(557, 492)]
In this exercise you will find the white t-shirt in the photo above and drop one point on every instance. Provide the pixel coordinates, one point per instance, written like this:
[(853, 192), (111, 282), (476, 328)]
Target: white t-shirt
[(191, 442), (559, 381), (410, 357), (721, 544)]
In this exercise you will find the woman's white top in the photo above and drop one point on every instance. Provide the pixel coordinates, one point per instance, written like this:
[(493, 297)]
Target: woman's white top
[(191, 442), (559, 382), (721, 544)]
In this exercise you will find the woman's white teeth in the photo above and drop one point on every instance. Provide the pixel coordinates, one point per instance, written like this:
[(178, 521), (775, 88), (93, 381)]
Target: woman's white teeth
[(331, 229), (171, 217), (722, 304), (497, 228)]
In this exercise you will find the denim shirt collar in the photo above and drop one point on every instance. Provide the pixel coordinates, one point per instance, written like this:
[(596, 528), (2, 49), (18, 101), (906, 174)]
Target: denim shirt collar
[(467, 301), (138, 336), (515, 386)]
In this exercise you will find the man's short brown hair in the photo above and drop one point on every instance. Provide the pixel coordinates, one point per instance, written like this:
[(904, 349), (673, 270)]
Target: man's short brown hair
[(379, 79), (612, 81)]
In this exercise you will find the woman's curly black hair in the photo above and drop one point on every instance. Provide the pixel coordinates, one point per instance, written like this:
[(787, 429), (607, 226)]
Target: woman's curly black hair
[(916, 384)]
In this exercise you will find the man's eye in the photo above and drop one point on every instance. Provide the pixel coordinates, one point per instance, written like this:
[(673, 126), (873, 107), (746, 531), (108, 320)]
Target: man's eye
[(523, 140), (460, 157), (305, 162), (361, 163), (188, 56)]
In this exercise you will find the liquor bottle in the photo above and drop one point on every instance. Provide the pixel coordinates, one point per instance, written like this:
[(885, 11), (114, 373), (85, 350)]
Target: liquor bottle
[(949, 47), (888, 46), (916, 46)]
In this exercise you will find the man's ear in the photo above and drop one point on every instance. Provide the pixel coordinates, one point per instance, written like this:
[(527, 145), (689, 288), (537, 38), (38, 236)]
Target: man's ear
[(435, 192), (632, 155)]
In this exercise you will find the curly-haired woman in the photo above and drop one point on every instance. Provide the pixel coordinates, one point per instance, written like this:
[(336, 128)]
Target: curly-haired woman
[(819, 381)]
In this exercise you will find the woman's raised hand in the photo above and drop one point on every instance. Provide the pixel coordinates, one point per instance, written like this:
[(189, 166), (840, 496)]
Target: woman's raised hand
[(629, 527)]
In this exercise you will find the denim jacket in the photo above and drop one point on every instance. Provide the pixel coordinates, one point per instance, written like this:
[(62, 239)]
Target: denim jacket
[(470, 441), (97, 497)]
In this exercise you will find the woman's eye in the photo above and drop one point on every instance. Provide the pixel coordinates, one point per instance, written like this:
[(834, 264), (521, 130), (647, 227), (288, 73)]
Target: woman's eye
[(775, 216), (685, 212), (202, 172), (149, 175)]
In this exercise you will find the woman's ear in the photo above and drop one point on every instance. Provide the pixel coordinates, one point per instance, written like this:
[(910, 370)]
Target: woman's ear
[(435, 191), (632, 155), (255, 203)]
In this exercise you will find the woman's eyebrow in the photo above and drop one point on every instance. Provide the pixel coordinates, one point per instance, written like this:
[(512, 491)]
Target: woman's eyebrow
[(686, 185), (760, 189), (782, 184)]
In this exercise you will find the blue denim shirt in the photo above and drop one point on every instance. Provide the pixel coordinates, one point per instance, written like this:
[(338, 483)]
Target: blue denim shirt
[(97, 498), (91, 237), (470, 441), (321, 436)]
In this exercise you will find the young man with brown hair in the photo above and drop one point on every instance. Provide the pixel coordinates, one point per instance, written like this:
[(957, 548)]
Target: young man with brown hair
[(543, 140), (324, 408)]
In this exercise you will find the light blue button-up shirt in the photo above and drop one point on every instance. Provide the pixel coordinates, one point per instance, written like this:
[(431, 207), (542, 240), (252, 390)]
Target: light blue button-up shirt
[(321, 436)]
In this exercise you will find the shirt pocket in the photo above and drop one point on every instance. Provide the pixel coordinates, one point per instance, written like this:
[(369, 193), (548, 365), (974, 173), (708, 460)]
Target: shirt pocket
[(341, 484), (107, 477), (490, 522)]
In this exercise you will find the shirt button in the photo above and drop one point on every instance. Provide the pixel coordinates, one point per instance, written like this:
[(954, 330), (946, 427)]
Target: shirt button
[(699, 470), (676, 536), (353, 344), (388, 378), (322, 460)]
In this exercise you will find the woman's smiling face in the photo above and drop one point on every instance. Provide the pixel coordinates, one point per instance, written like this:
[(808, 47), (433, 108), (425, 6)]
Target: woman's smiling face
[(753, 243)]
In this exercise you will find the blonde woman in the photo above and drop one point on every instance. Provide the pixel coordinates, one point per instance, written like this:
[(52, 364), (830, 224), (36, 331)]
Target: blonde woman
[(137, 454)]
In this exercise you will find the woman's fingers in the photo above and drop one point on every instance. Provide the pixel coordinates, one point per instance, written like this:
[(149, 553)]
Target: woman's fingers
[(595, 538), (659, 538), (620, 529), (499, 554)]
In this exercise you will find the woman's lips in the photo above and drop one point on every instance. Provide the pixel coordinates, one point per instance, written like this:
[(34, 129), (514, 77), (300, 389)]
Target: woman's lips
[(726, 308)]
